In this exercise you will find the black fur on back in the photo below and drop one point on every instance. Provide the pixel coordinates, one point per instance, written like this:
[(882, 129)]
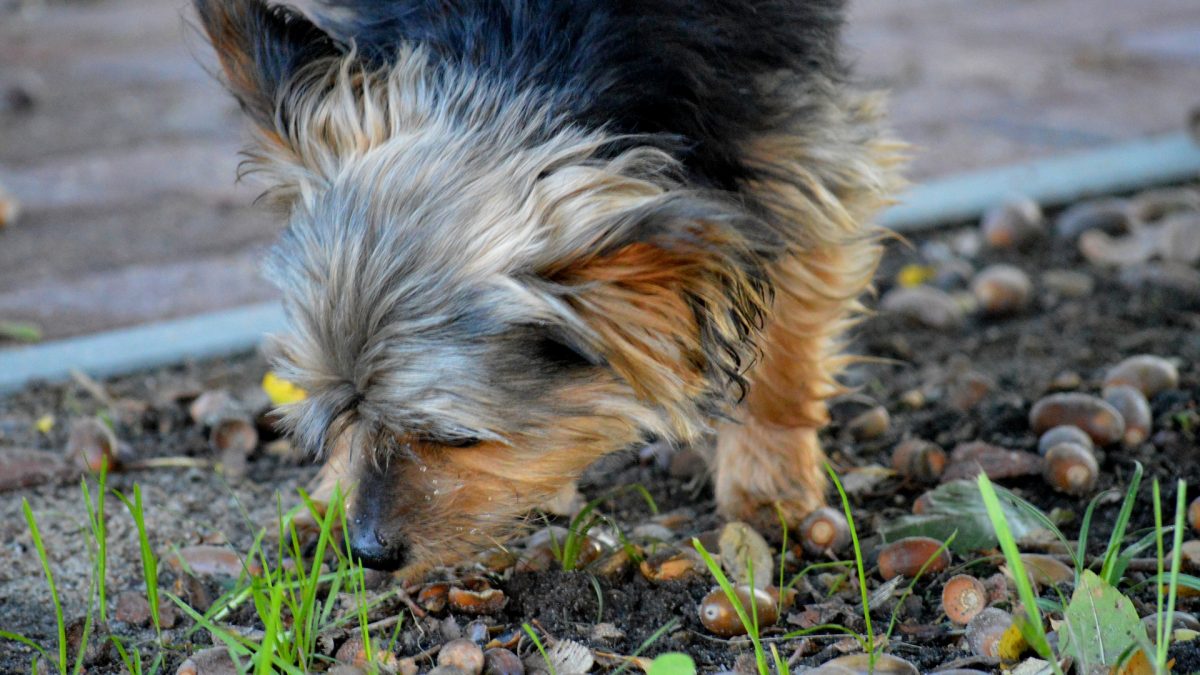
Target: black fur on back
[(681, 70)]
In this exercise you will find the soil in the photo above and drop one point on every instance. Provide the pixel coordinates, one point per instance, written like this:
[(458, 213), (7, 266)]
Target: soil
[(1022, 357)]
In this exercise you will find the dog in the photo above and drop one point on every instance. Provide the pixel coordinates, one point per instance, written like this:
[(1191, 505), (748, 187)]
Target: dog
[(526, 234)]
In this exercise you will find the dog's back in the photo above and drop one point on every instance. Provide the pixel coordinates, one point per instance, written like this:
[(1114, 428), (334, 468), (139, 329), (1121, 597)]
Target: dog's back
[(689, 71)]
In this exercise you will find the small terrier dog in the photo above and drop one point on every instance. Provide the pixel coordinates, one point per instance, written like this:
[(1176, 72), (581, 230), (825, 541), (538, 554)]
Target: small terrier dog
[(524, 234)]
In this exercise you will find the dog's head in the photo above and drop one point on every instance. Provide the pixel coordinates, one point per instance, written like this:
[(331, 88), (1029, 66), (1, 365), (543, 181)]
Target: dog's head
[(483, 298)]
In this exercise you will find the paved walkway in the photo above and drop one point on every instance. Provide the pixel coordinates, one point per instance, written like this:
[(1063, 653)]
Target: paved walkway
[(125, 162)]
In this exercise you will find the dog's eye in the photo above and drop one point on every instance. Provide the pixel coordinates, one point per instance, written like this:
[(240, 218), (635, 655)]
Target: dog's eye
[(560, 353), (461, 442)]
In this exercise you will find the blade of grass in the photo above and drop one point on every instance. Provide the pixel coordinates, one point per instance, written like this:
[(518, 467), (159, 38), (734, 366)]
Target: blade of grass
[(538, 643), (1113, 551), (751, 625), (858, 561), (1032, 628), (45, 560)]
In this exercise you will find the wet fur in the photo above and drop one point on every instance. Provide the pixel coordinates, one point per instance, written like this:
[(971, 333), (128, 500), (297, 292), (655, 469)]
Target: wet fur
[(545, 230)]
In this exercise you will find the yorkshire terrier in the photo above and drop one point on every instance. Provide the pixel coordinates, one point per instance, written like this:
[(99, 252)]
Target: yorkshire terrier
[(525, 234)]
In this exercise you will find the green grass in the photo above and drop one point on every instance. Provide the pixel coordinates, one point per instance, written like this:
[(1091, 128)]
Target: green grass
[(568, 551), (541, 649), (749, 621)]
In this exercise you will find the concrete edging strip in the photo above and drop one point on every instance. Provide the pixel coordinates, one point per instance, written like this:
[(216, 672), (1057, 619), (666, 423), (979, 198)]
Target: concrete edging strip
[(1054, 181), (147, 346)]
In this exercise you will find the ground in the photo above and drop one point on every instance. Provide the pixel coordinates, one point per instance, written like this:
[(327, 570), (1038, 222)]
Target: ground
[(123, 150), (1068, 337)]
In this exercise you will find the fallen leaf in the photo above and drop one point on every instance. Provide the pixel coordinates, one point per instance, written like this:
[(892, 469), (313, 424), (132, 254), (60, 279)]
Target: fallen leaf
[(958, 507), (1101, 624)]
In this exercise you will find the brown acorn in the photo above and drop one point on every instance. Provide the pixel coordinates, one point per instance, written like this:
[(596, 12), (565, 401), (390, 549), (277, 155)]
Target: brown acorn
[(824, 530), (1071, 468), (93, 445), (963, 597), (1063, 434), (1193, 514), (1095, 417), (1002, 289), (1014, 224), (720, 618), (1147, 373), (1134, 409), (907, 556), (483, 601), (919, 460), (985, 631)]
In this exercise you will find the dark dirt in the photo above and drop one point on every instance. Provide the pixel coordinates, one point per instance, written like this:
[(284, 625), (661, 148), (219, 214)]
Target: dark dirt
[(1021, 355)]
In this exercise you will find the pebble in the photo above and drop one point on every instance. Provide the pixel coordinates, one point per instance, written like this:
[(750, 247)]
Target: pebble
[(1014, 224), (1110, 216), (925, 305), (1095, 417), (1002, 289)]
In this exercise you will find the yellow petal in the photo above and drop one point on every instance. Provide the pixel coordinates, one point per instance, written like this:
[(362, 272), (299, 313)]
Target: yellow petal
[(44, 424), (280, 391), (914, 275)]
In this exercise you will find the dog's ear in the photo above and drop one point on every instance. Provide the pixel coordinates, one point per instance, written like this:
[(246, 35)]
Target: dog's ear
[(262, 49), (675, 305)]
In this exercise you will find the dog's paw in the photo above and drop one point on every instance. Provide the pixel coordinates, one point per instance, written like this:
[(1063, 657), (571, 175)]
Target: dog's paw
[(765, 475)]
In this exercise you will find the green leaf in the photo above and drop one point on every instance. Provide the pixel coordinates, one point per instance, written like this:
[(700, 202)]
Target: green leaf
[(958, 507), (1101, 625), (20, 331), (672, 663)]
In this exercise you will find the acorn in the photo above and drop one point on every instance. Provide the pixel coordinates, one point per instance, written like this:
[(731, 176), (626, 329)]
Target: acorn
[(1193, 514), (824, 530), (1064, 433), (921, 504), (671, 565), (93, 445), (1002, 289), (463, 655), (863, 664), (500, 661), (907, 556), (720, 618), (1134, 409), (1014, 224), (925, 305), (870, 424), (209, 406), (1147, 373), (1095, 417), (919, 460), (963, 597), (1045, 570), (1071, 468), (985, 631)]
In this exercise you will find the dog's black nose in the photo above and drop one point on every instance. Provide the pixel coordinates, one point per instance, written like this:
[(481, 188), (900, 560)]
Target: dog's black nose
[(375, 549)]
